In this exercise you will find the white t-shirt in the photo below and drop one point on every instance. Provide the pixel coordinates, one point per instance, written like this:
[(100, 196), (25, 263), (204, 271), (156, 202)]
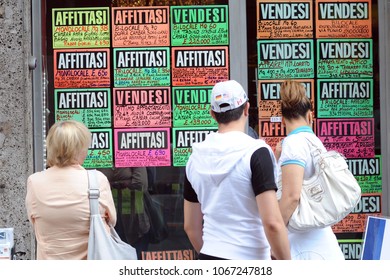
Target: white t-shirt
[(314, 244), (220, 176)]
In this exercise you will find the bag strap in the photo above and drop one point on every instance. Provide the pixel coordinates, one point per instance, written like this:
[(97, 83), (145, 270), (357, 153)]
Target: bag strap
[(93, 192), (315, 151)]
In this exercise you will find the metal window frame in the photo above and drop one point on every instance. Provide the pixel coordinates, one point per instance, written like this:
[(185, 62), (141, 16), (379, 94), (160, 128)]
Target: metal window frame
[(384, 88), (238, 50), (38, 86), (238, 35)]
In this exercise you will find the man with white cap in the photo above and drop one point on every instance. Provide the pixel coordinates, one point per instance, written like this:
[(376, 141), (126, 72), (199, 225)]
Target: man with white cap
[(230, 205)]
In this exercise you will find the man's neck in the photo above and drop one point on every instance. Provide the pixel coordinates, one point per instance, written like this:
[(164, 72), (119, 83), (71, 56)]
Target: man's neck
[(238, 125)]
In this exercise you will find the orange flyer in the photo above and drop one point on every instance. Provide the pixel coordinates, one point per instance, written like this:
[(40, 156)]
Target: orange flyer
[(344, 19), (284, 19), (140, 26), (82, 68)]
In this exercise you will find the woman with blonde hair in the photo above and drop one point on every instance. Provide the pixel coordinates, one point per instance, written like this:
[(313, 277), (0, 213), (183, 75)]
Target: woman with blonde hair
[(296, 164), (57, 200)]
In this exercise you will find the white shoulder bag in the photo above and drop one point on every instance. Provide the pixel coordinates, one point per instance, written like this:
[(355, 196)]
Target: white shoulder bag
[(101, 244), (328, 196)]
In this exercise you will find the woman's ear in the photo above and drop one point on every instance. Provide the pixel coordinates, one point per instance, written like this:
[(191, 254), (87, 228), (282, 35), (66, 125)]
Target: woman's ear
[(309, 117)]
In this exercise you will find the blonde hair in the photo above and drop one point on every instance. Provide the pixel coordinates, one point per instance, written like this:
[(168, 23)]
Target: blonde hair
[(293, 99), (65, 141)]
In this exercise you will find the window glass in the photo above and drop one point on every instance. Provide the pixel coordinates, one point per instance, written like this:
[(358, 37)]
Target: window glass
[(134, 72), (332, 47)]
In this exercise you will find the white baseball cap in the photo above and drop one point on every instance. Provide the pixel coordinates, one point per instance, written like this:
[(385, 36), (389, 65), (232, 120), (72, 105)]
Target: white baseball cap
[(227, 95)]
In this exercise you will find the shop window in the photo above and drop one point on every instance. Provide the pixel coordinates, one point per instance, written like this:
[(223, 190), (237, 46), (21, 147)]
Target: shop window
[(111, 65), (338, 63)]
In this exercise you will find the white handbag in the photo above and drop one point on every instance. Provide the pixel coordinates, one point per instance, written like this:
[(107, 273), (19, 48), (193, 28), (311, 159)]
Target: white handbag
[(328, 196), (101, 244)]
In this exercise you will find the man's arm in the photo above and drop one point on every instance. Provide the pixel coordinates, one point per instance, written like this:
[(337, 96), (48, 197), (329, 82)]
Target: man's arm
[(274, 226), (264, 187)]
